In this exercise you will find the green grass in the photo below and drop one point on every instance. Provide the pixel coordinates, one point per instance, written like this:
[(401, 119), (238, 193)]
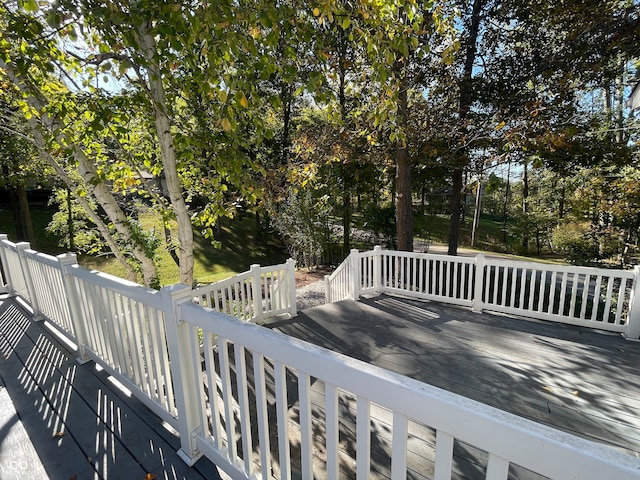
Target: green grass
[(436, 228), (242, 246)]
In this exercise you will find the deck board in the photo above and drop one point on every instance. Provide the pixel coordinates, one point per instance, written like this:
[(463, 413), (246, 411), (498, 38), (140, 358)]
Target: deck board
[(578, 380), (79, 423)]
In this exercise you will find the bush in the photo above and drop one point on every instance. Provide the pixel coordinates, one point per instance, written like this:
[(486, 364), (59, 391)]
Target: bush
[(382, 222), (577, 241)]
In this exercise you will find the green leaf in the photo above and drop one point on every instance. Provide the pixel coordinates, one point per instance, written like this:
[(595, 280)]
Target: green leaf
[(30, 5)]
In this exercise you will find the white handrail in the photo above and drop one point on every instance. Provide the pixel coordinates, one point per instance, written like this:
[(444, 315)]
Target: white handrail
[(254, 295), (506, 438), (585, 296)]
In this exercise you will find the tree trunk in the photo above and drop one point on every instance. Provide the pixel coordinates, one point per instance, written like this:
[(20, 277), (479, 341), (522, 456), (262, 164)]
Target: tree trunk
[(404, 214), (562, 199), (346, 221), (20, 211), (168, 153), (70, 230), (454, 212), (466, 100), (87, 171), (476, 214), (287, 101), (345, 171), (525, 204), (82, 201), (121, 222)]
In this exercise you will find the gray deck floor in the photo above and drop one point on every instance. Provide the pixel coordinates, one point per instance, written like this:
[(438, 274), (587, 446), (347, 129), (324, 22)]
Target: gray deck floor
[(62, 420), (581, 381)]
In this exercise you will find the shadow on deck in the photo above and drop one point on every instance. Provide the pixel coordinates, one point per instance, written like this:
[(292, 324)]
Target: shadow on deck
[(62, 420), (578, 380)]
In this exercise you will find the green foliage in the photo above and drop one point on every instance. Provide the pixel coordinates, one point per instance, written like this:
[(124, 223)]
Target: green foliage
[(577, 242), (86, 239), (305, 222), (381, 220)]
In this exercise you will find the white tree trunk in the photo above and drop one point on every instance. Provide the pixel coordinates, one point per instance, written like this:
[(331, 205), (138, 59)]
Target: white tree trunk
[(87, 171), (82, 201), (168, 153)]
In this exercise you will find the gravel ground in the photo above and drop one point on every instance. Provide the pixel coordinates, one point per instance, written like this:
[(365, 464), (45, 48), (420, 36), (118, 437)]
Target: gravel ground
[(311, 295)]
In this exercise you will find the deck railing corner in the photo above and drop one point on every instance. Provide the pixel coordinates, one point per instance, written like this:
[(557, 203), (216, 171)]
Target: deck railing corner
[(480, 261), (184, 352), (632, 330)]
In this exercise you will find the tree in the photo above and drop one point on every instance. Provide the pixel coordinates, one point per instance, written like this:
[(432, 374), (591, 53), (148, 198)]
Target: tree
[(20, 164)]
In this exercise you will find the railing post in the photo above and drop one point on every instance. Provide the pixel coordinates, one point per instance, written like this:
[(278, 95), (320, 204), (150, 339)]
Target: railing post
[(184, 370), (291, 270), (632, 329), (354, 267), (256, 292), (28, 278), (4, 265), (479, 283), (327, 289), (377, 269), (66, 261)]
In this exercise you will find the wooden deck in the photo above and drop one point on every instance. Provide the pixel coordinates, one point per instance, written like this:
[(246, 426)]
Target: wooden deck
[(584, 382), (62, 420)]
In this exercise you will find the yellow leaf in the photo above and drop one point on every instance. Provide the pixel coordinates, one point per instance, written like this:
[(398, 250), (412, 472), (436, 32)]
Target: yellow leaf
[(548, 389), (316, 12), (243, 100), (500, 126), (576, 392), (226, 124), (149, 476)]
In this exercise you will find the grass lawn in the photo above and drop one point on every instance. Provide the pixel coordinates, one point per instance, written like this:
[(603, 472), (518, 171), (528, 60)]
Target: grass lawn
[(242, 246)]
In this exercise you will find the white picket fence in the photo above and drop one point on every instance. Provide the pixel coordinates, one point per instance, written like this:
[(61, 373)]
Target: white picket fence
[(255, 295), (263, 405), (598, 298)]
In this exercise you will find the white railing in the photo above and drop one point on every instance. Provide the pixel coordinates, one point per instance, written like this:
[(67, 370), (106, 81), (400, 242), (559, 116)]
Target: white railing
[(255, 295), (48, 293), (123, 328), (340, 285), (260, 404), (442, 278), (590, 297), (275, 405), (13, 272)]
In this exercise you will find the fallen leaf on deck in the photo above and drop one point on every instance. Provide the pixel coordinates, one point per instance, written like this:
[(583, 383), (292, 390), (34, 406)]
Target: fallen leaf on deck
[(576, 392), (90, 459), (548, 389), (59, 434), (149, 476)]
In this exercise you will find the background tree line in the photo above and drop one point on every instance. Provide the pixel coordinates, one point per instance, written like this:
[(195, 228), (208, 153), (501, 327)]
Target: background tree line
[(327, 120)]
